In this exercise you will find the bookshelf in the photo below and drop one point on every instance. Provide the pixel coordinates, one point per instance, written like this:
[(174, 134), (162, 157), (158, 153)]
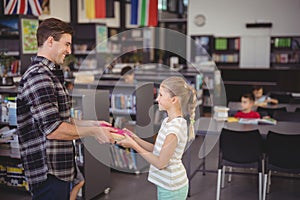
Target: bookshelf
[(201, 48), (90, 46), (226, 51), (11, 168), (17, 39), (130, 45), (92, 158), (138, 117), (205, 85), (285, 51)]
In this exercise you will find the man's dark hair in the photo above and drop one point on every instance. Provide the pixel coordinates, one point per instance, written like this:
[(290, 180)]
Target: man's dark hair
[(249, 96), (52, 27), (126, 70)]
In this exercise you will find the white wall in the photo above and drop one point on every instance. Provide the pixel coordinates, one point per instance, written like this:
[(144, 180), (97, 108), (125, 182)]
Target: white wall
[(229, 18), (58, 9)]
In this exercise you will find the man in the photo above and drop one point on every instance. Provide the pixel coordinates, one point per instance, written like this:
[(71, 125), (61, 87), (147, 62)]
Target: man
[(45, 128)]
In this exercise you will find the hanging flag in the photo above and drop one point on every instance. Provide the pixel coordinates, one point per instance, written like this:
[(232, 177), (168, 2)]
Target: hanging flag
[(144, 12), (134, 12), (153, 13), (99, 9), (23, 7)]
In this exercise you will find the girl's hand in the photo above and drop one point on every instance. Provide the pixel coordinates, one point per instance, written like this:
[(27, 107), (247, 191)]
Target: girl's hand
[(128, 142), (133, 135)]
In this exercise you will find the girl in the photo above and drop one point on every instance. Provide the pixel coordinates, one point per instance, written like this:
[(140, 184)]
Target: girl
[(178, 99)]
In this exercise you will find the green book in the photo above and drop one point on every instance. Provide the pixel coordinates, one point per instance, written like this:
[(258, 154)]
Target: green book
[(221, 44)]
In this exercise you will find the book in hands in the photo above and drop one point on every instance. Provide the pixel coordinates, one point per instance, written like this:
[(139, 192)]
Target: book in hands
[(119, 134)]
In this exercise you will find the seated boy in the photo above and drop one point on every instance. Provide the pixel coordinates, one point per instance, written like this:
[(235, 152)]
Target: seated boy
[(247, 102), (128, 74), (260, 99)]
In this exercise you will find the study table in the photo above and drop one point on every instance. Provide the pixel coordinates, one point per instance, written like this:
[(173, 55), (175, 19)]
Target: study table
[(211, 130), (207, 126), (236, 106)]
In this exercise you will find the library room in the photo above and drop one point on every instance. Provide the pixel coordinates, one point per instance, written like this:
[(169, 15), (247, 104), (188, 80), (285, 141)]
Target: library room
[(149, 99)]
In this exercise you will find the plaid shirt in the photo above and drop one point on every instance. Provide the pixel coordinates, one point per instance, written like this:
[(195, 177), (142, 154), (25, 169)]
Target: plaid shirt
[(43, 104)]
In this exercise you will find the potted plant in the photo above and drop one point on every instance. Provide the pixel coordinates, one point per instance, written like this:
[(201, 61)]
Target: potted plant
[(5, 64)]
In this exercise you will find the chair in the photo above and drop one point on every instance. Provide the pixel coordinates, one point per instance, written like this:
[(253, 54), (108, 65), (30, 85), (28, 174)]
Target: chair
[(282, 155), (287, 116), (282, 97), (268, 111), (240, 149), (297, 110)]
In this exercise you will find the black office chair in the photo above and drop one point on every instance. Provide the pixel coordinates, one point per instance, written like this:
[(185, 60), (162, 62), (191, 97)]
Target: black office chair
[(287, 116), (239, 149), (267, 111), (282, 97), (282, 155)]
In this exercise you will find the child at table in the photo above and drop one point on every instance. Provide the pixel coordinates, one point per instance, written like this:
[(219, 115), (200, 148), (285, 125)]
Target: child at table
[(247, 102), (260, 98), (127, 73), (167, 172)]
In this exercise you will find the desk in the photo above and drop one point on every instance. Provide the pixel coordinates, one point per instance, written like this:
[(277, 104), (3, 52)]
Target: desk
[(208, 126), (211, 129), (236, 106)]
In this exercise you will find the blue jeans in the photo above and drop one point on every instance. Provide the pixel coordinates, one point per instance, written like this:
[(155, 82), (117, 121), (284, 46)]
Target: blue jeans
[(180, 194), (52, 189)]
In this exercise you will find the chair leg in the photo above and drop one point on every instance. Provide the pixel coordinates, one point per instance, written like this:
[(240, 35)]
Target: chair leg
[(259, 185), (263, 166), (219, 184), (269, 182), (265, 186), (230, 175), (223, 176)]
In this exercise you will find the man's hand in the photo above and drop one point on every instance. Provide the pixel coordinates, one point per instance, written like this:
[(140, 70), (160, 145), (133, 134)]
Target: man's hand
[(103, 134)]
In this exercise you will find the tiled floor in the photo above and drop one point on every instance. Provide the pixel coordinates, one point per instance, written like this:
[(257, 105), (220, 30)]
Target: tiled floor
[(130, 186)]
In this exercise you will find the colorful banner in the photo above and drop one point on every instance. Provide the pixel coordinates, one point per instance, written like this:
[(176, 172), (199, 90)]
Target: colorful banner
[(144, 12), (99, 9), (24, 7)]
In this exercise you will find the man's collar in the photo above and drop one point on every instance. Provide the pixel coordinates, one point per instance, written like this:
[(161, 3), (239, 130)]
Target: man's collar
[(45, 61)]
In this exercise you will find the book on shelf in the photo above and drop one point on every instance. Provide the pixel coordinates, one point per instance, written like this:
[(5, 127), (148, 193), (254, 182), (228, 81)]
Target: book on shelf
[(123, 157), (237, 43), (285, 57), (282, 42), (76, 113), (228, 58), (123, 102), (221, 44)]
